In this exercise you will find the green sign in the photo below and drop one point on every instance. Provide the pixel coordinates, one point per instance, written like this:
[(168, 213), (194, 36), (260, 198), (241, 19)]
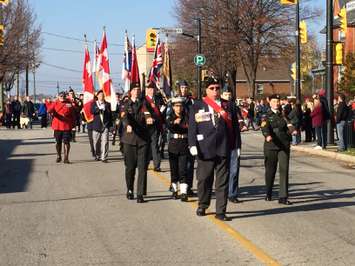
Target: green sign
[(199, 60)]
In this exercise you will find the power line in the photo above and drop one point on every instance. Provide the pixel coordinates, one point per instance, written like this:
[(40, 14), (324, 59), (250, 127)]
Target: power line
[(61, 68), (76, 39), (71, 51)]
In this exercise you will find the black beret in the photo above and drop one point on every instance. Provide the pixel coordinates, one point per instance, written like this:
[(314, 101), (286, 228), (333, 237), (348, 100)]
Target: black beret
[(135, 85), (212, 81), (274, 96), (151, 84), (183, 83), (226, 88)]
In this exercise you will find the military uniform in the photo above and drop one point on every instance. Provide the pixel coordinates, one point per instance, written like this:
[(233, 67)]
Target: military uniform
[(276, 151), (135, 146), (178, 151)]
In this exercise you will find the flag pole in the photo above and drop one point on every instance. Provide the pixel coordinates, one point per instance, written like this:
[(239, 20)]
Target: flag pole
[(95, 62)]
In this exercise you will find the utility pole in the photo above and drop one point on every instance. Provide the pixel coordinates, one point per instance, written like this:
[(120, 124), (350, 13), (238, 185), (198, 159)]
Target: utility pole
[(298, 54), (1, 47), (34, 85), (17, 83), (199, 51), (27, 85), (329, 67)]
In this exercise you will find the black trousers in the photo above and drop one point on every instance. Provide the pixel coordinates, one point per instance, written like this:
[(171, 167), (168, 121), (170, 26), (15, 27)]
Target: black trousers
[(91, 141), (190, 170), (135, 157), (154, 152), (272, 158), (205, 177), (178, 167), (43, 121)]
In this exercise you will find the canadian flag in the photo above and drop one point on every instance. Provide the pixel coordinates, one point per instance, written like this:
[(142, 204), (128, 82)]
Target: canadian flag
[(88, 87), (104, 79)]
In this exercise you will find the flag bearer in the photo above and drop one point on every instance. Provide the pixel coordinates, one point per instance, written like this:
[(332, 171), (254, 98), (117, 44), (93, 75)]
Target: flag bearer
[(177, 124)]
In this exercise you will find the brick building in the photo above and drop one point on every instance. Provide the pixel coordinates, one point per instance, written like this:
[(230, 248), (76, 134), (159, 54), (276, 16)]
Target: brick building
[(273, 77)]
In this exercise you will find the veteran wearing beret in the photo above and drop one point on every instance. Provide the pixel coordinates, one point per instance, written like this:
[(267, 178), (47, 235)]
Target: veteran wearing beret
[(277, 130)]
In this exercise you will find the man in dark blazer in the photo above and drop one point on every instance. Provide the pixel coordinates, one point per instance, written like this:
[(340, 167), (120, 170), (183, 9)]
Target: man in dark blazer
[(212, 127), (101, 125)]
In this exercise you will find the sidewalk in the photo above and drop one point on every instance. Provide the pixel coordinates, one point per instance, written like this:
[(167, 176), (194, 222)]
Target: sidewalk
[(330, 152)]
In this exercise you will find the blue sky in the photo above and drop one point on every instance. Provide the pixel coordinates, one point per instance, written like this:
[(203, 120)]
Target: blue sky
[(75, 18)]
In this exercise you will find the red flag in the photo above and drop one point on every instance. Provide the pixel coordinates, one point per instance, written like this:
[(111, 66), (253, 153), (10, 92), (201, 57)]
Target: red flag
[(134, 70), (88, 87), (105, 81)]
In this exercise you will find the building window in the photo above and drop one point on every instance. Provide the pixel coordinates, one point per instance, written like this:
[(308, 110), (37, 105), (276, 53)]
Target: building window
[(260, 89)]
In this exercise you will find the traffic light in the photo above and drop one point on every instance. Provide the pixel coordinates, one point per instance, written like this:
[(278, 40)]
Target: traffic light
[(1, 35), (339, 53), (151, 40), (343, 20), (204, 74), (293, 71), (4, 2), (288, 2), (303, 32)]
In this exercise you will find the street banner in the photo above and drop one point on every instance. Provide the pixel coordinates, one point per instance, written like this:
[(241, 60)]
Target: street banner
[(127, 61), (104, 79), (88, 87)]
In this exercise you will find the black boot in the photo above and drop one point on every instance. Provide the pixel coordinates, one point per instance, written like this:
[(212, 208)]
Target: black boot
[(73, 136), (59, 152), (175, 195), (66, 153), (140, 199)]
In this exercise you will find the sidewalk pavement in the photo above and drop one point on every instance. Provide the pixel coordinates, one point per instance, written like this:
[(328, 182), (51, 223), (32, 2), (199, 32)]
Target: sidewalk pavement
[(330, 152)]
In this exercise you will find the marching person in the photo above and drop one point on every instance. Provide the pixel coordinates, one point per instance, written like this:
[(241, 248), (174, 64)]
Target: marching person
[(188, 102), (278, 131), (101, 125), (154, 108), (234, 168), (63, 119), (75, 102), (135, 139), (177, 124), (211, 138)]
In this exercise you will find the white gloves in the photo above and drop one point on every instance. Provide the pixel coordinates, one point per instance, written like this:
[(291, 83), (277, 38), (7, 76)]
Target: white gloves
[(193, 150), (238, 153)]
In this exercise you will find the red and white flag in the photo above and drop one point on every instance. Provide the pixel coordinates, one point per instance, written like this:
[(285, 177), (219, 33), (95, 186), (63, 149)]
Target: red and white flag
[(104, 79), (135, 78), (88, 87)]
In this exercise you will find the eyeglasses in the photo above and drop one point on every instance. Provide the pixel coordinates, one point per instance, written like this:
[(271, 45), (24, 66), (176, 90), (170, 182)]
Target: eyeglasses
[(214, 88)]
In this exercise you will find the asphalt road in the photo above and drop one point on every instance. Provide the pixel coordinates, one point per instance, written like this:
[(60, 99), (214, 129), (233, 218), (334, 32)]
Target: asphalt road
[(56, 214)]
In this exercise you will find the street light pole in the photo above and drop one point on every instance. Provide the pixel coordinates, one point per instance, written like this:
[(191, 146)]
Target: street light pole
[(298, 54), (329, 66), (199, 51)]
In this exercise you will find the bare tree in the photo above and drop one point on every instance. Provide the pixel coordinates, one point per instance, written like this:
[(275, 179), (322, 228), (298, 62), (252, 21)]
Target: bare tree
[(22, 41)]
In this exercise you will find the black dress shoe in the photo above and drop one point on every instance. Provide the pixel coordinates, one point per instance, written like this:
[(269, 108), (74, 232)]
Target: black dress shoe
[(222, 217), (184, 198), (191, 193), (268, 198), (175, 195), (201, 211), (130, 195), (105, 161), (284, 201), (234, 200), (59, 159), (140, 199)]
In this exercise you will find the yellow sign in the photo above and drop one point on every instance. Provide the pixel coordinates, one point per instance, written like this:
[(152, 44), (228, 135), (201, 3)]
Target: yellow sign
[(288, 2), (151, 40), (4, 2), (293, 71), (339, 53)]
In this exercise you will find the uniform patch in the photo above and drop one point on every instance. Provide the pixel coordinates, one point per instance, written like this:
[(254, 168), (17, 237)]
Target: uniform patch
[(202, 117), (263, 124)]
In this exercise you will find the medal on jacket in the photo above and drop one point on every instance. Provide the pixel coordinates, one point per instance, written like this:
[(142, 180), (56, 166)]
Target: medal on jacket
[(202, 117)]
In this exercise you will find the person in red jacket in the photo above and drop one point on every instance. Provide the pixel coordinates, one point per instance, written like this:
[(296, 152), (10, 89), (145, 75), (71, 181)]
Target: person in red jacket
[(63, 113), (318, 122)]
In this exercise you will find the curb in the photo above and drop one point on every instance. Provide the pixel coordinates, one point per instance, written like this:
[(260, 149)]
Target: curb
[(328, 154)]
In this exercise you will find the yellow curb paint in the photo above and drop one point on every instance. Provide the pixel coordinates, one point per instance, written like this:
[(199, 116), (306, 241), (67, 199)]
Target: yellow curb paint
[(244, 242)]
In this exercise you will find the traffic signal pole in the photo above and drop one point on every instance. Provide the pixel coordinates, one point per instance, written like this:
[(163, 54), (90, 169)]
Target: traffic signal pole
[(329, 67), (298, 54)]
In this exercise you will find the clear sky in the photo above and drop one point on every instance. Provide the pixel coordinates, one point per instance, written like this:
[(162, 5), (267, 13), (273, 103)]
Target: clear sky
[(75, 18)]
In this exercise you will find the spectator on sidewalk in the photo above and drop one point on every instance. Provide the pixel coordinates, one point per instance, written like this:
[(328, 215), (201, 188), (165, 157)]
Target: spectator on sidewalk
[(296, 119), (28, 111), (326, 115), (318, 123), (8, 114), (16, 112), (341, 122), (42, 113)]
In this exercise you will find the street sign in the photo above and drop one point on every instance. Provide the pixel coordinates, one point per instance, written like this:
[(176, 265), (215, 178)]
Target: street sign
[(171, 30), (199, 60)]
